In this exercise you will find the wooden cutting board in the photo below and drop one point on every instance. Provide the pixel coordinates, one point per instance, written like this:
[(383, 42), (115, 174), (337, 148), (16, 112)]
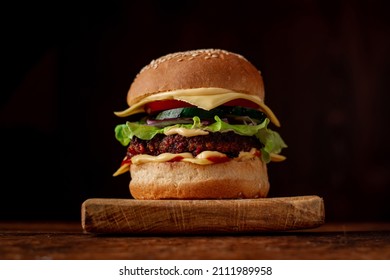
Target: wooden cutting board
[(130, 216)]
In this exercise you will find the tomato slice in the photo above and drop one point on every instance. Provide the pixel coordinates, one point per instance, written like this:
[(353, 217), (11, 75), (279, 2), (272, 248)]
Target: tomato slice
[(162, 105)]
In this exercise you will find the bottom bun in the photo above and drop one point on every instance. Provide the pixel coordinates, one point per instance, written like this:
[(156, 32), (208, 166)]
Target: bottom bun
[(182, 180)]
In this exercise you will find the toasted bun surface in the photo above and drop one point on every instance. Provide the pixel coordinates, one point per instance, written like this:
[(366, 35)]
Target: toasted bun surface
[(202, 68), (182, 180)]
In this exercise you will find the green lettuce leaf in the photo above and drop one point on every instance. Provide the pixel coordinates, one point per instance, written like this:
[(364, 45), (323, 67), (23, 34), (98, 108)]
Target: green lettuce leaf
[(271, 140)]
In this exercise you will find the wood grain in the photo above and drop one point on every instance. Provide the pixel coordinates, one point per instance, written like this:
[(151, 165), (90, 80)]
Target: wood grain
[(101, 215), (58, 240)]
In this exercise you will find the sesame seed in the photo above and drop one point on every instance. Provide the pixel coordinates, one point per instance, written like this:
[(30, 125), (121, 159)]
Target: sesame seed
[(180, 56)]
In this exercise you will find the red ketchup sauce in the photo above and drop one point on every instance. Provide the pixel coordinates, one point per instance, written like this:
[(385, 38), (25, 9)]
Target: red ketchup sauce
[(218, 159), (177, 158), (126, 160)]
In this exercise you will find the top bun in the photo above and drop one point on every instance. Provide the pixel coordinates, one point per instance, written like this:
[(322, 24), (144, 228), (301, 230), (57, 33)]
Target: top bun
[(204, 68)]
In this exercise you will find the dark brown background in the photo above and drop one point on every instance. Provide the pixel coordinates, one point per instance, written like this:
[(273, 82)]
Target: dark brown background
[(68, 65)]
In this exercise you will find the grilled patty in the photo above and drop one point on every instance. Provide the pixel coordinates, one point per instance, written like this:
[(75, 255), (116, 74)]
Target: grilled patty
[(228, 143)]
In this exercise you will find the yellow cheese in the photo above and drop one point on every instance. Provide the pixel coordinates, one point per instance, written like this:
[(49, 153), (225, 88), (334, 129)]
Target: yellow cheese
[(186, 132), (124, 168), (277, 157), (140, 159), (201, 159), (205, 98), (248, 155)]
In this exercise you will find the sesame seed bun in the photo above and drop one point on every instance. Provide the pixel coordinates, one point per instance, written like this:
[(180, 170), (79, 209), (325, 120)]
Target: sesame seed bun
[(202, 68)]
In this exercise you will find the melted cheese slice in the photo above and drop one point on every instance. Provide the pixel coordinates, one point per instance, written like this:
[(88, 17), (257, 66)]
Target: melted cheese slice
[(202, 158), (186, 132), (204, 98)]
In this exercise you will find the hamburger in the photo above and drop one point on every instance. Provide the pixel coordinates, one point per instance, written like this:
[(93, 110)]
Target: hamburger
[(197, 128)]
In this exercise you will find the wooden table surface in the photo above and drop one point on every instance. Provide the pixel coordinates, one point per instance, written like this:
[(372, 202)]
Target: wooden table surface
[(65, 240)]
